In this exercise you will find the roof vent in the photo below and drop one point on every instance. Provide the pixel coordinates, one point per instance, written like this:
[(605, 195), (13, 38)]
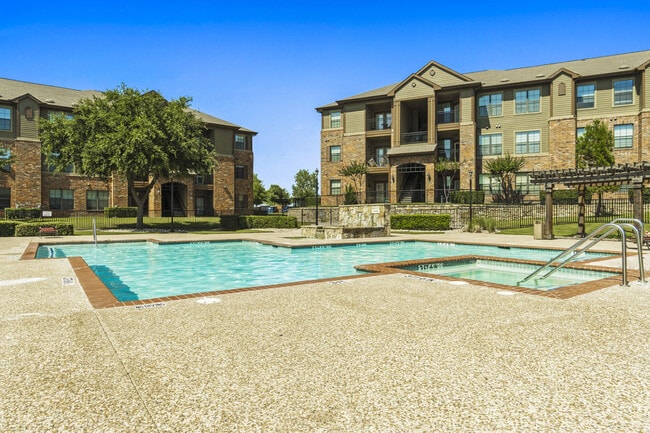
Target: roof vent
[(540, 75), (50, 101), (624, 66), (505, 80)]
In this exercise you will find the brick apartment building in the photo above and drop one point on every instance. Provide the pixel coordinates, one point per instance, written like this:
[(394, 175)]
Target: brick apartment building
[(31, 183), (404, 129)]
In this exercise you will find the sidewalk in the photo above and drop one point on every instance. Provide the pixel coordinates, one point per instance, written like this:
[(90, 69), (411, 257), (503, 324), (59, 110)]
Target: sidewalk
[(388, 353)]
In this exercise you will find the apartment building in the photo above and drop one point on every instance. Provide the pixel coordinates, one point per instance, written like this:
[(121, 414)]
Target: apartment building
[(404, 130), (28, 182)]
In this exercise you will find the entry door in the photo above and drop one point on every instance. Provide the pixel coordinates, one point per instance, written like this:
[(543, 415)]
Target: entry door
[(200, 206), (381, 189)]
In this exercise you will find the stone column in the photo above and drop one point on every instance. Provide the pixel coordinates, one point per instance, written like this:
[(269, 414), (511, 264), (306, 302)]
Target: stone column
[(637, 204)]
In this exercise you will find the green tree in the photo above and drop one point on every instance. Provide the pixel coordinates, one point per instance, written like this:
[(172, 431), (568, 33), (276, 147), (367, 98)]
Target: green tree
[(260, 195), (448, 171), (278, 195), (304, 187), (6, 159), (595, 148), (130, 135), (356, 171), (505, 168)]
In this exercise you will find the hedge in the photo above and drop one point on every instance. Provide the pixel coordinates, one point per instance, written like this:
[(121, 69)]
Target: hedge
[(8, 228), (462, 197), (239, 222), (120, 212), (32, 229), (420, 222), (22, 213), (564, 196)]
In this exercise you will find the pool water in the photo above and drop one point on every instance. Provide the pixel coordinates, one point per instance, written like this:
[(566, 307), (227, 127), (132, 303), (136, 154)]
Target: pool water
[(510, 274), (145, 270)]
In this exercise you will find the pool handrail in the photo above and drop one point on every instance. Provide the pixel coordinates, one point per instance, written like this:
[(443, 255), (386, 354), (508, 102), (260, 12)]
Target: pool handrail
[(608, 228)]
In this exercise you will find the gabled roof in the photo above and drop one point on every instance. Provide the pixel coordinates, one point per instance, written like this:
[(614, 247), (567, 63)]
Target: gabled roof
[(591, 67), (409, 79), (14, 90)]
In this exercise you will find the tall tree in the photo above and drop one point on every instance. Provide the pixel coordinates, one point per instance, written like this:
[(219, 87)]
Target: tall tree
[(304, 187), (278, 195), (448, 171), (505, 169), (132, 135), (595, 148), (260, 195), (355, 171)]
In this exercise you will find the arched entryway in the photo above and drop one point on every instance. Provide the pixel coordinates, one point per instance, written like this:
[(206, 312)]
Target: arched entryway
[(174, 199), (411, 183)]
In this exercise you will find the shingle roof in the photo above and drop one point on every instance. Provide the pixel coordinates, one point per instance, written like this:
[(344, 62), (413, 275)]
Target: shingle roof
[(605, 65), (66, 98)]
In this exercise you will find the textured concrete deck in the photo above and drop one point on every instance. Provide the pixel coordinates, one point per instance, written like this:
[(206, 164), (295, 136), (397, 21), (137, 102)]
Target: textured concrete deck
[(389, 353)]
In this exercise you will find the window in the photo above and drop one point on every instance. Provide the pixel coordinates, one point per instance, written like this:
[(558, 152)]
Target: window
[(623, 136), (383, 121), (5, 198), (580, 132), (335, 153), (51, 115), (5, 154), (623, 92), (335, 187), (527, 101), (240, 172), (61, 199), (96, 200), (490, 144), (487, 182), (5, 119), (335, 119), (242, 201), (523, 185), (585, 96), (527, 142), (240, 142), (68, 168), (489, 105)]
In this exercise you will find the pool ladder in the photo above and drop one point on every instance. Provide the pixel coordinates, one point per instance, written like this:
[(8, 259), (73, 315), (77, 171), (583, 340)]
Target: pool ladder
[(620, 225)]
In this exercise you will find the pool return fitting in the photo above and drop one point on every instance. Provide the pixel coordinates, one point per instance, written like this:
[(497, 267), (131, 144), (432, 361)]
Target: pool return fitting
[(620, 225)]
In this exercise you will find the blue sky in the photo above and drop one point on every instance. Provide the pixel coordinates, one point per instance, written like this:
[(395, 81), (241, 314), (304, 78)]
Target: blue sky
[(266, 65)]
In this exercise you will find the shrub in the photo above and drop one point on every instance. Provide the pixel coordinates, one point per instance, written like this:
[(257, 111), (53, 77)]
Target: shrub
[(646, 195), (564, 196), (482, 223), (462, 197), (32, 229), (235, 222), (121, 212), (22, 213), (420, 222), (8, 228)]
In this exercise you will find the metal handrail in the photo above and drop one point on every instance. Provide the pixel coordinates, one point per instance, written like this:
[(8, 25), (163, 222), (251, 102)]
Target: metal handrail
[(574, 252)]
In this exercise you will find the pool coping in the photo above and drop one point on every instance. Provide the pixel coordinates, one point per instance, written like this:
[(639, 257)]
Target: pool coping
[(558, 293), (100, 296)]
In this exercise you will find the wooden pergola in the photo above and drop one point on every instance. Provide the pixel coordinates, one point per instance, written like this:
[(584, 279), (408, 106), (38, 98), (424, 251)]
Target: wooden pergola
[(634, 175)]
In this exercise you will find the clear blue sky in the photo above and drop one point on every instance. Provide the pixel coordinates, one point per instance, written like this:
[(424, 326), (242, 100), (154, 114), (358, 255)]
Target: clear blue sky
[(266, 65)]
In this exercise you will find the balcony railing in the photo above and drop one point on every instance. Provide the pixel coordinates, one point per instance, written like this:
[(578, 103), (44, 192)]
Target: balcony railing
[(414, 137), (448, 117), (378, 125)]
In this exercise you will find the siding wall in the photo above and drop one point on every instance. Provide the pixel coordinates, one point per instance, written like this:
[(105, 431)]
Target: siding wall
[(355, 118), (414, 89)]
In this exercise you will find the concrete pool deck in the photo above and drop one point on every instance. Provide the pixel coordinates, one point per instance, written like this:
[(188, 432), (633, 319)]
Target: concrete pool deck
[(388, 353)]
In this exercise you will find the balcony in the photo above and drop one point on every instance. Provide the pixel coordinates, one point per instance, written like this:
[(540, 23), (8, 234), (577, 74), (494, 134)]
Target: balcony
[(448, 113), (414, 137)]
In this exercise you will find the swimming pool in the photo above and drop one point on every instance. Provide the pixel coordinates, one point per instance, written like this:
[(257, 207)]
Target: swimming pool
[(508, 273), (146, 270)]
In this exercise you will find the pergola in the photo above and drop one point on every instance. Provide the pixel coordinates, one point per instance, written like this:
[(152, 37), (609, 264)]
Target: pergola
[(621, 174)]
